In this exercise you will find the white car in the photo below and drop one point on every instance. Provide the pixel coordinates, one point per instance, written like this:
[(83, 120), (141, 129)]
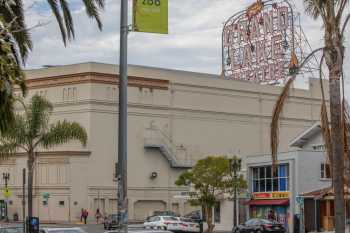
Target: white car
[(62, 230), (169, 223), (188, 225)]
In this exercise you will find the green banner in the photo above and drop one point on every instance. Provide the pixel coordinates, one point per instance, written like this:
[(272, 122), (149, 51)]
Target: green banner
[(150, 16)]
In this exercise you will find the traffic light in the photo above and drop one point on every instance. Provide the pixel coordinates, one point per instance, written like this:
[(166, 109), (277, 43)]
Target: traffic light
[(33, 224)]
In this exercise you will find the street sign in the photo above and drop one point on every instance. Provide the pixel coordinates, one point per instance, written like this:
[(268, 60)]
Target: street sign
[(7, 193), (150, 16)]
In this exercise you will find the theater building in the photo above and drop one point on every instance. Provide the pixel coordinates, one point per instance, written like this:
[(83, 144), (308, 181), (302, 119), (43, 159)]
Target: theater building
[(174, 119)]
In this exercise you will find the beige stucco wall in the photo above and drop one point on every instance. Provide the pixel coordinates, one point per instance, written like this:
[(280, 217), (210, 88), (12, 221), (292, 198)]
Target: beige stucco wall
[(200, 114)]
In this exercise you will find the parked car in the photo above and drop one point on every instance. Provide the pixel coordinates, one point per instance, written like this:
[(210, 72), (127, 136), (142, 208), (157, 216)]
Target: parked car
[(62, 230), (165, 213), (11, 229), (195, 215), (111, 222), (169, 223), (257, 225), (189, 225), (140, 231)]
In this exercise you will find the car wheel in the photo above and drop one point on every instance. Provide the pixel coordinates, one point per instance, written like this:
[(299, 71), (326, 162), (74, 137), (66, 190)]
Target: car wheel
[(258, 231)]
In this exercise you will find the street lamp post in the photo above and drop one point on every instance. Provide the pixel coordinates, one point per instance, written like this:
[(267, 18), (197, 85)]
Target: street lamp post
[(6, 177), (235, 168), (122, 124)]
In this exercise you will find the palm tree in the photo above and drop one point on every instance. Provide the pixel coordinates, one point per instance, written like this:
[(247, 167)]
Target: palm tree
[(336, 140), (15, 35), (31, 131)]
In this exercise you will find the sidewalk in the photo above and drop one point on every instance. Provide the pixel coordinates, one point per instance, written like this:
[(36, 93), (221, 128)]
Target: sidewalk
[(347, 230)]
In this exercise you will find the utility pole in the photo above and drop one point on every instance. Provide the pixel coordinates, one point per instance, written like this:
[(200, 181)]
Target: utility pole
[(6, 177), (24, 199), (123, 114)]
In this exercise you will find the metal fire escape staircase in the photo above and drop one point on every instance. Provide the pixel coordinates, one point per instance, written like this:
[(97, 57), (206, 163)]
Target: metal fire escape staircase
[(156, 139)]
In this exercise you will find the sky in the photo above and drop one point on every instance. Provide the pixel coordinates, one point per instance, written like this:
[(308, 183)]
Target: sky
[(193, 42)]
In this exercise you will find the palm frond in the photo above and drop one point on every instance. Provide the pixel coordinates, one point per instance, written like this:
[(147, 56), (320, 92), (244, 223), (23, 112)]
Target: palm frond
[(56, 11), (67, 19), (100, 3), (274, 129), (347, 19), (14, 137), (11, 76), (326, 132), (325, 124), (63, 132), (12, 15), (38, 115), (7, 149), (92, 10), (346, 137), (314, 7)]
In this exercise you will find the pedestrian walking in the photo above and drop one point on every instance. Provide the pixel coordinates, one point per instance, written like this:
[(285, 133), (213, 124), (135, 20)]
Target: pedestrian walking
[(98, 215), (82, 215), (85, 215), (271, 216)]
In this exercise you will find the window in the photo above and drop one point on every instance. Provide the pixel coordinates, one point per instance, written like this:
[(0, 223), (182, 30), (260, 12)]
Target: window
[(44, 203), (319, 147), (325, 171), (217, 213), (61, 203), (264, 181), (70, 94)]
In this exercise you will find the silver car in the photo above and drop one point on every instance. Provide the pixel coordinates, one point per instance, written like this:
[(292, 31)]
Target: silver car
[(62, 230), (11, 229)]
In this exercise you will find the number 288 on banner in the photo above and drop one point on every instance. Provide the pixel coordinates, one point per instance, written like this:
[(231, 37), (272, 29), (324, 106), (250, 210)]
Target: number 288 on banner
[(150, 16)]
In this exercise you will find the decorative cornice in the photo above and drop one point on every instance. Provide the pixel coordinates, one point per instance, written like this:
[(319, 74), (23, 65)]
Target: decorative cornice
[(92, 77)]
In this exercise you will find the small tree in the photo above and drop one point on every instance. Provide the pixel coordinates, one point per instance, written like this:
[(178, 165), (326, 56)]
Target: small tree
[(32, 130), (211, 178)]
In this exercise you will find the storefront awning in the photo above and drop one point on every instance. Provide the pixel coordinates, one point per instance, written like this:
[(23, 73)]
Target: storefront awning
[(268, 202)]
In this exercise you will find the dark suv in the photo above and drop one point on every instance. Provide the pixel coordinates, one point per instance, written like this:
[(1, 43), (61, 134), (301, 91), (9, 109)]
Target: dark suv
[(111, 222)]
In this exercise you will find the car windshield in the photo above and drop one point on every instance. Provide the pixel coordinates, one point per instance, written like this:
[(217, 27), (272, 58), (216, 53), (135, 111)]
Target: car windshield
[(170, 219), (11, 230), (186, 220), (252, 222), (265, 221)]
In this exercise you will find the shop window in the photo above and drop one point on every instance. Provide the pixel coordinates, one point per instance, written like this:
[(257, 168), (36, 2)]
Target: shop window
[(264, 181), (325, 171), (217, 213), (268, 185)]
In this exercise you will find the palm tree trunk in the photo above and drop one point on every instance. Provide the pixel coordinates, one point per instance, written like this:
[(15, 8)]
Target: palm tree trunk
[(30, 183), (338, 162)]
